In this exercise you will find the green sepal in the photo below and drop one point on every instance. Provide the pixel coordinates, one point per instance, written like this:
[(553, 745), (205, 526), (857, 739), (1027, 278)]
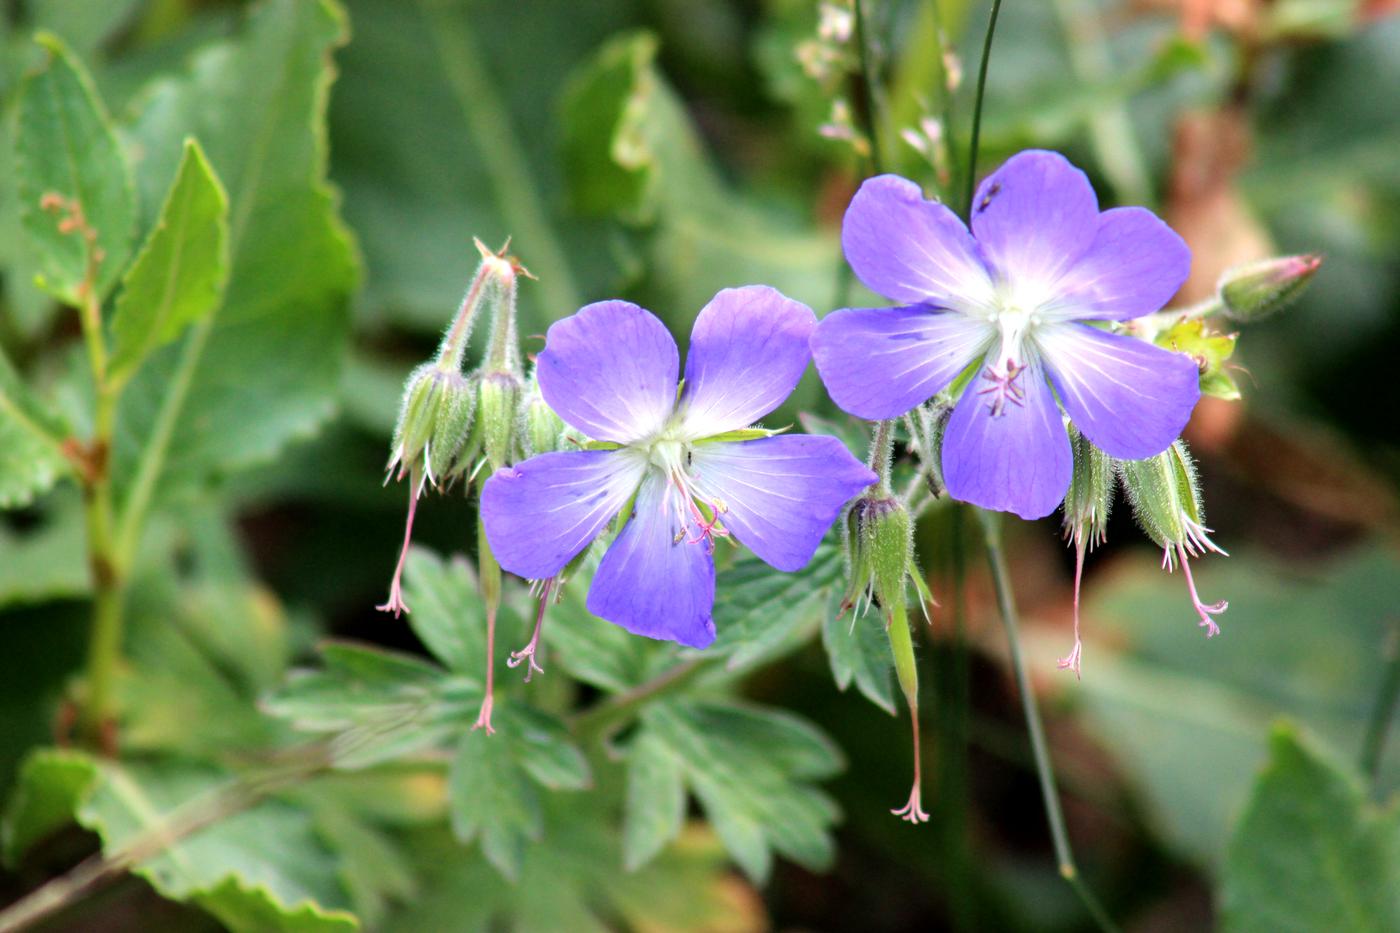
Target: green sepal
[(1164, 493), (742, 434), (1209, 350)]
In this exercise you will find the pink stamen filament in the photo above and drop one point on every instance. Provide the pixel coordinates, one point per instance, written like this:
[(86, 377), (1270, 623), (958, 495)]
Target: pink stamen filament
[(1072, 660), (396, 603), (1204, 610), (528, 653), (913, 811), (1004, 386)]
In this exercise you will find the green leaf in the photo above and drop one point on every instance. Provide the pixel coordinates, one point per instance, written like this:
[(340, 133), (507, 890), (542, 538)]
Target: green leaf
[(655, 807), (543, 747), (66, 149), (593, 650), (45, 561), (264, 367), (383, 705), (761, 613), (52, 782), (750, 769), (179, 275), (859, 652), (31, 438), (446, 610), (1185, 718), (373, 867), (491, 799), (633, 153), (1310, 853), (261, 868)]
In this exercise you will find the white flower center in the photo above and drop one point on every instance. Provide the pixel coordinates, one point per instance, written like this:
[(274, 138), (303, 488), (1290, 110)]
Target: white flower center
[(694, 512)]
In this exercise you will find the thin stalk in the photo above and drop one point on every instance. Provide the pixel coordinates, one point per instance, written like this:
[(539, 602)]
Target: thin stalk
[(976, 137), (454, 345), (1006, 603), (869, 88), (881, 455), (1109, 127), (97, 712), (489, 576), (498, 143), (1383, 712)]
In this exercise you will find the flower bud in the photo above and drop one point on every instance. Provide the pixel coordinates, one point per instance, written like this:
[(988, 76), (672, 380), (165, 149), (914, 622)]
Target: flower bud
[(880, 547), (434, 422), (544, 430), (500, 417), (1258, 289), (1090, 495), (1166, 500)]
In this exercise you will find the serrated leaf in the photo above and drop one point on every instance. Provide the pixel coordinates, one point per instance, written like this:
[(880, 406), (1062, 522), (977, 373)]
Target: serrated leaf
[(594, 650), (492, 800), (383, 704), (31, 455), (655, 807), (264, 367), (446, 610), (1309, 852), (258, 869), (749, 768), (66, 149), (180, 273), (859, 652), (543, 747), (372, 866), (762, 613)]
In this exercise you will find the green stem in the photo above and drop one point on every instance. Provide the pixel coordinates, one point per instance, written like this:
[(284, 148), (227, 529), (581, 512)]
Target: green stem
[(1109, 126), (454, 345), (976, 138), (488, 573), (499, 145), (869, 89), (881, 455), (1384, 710), (1006, 603), (97, 712)]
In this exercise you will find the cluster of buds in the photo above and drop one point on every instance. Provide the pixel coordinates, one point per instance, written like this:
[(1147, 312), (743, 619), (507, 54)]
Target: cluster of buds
[(447, 416)]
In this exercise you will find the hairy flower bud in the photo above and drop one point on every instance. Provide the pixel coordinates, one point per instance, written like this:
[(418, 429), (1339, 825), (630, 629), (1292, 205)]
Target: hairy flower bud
[(435, 420), (544, 430), (1087, 505), (1258, 289), (1166, 499), (880, 549), (500, 417)]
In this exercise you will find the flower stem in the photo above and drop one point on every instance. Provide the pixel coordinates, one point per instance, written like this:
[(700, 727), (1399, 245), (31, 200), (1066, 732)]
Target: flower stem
[(881, 454), (489, 577), (97, 712), (1006, 603), (869, 88), (976, 137), (907, 673), (1384, 710)]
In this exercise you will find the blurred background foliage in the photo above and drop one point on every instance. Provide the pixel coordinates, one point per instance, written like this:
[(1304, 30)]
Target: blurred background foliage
[(660, 150)]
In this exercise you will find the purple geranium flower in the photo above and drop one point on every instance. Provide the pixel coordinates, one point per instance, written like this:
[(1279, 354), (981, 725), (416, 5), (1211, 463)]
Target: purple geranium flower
[(610, 371), (1015, 297)]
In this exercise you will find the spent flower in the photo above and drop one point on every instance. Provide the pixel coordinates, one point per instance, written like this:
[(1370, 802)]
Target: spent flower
[(681, 466), (1019, 304)]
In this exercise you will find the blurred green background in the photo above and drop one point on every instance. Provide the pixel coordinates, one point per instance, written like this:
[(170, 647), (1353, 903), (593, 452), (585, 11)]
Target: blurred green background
[(660, 150)]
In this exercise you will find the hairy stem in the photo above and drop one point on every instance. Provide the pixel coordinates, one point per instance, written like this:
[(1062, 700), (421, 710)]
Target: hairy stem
[(976, 137), (881, 455), (1006, 603)]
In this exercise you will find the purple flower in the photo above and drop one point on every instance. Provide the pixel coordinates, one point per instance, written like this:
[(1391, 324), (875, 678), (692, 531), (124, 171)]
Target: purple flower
[(1017, 298), (610, 371)]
